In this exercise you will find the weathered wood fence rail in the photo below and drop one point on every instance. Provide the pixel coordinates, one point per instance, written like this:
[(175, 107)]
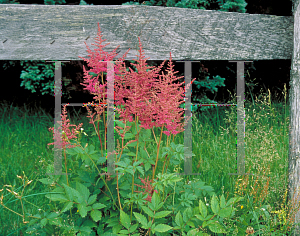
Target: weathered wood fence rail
[(47, 32)]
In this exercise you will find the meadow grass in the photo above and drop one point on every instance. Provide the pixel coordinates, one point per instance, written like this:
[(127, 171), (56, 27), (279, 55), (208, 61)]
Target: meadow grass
[(24, 138)]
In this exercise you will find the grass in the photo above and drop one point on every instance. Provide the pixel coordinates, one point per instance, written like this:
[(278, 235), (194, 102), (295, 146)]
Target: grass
[(24, 138)]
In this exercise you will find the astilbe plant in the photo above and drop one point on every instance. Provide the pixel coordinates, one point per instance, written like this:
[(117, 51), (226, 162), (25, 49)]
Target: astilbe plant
[(163, 108), (67, 135), (152, 103)]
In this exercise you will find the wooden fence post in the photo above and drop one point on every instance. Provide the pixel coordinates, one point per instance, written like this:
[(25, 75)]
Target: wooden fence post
[(294, 133)]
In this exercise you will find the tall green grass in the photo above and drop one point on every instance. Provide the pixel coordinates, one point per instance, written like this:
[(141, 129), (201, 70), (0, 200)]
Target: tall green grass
[(24, 138)]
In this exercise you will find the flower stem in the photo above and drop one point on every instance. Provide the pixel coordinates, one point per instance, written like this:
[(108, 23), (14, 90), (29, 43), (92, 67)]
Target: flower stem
[(154, 135), (117, 166), (118, 192), (157, 151), (67, 173), (165, 157), (66, 166), (137, 148), (100, 139)]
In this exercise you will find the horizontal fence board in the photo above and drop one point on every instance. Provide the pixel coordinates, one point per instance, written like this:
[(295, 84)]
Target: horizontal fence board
[(58, 32)]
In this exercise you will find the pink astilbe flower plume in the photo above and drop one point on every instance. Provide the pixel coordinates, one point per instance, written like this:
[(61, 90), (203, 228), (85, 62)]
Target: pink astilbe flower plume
[(67, 135), (98, 64), (96, 61), (141, 89), (168, 99), (152, 99), (148, 188)]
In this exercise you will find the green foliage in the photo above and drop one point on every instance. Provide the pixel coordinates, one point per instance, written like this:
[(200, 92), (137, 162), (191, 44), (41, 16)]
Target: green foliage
[(37, 77), (229, 5), (194, 4), (60, 2), (54, 2), (82, 2), (83, 199), (9, 2), (221, 5), (233, 6)]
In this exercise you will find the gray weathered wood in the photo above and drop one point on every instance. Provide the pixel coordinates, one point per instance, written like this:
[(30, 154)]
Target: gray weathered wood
[(294, 134), (27, 32)]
